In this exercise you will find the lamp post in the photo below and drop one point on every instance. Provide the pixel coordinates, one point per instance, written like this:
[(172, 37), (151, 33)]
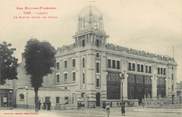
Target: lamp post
[(26, 88), (122, 77)]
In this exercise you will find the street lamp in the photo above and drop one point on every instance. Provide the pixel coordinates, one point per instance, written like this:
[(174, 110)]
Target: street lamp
[(9, 98), (122, 77), (26, 88)]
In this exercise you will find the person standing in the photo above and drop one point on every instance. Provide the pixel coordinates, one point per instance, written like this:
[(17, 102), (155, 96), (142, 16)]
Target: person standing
[(108, 110), (123, 108)]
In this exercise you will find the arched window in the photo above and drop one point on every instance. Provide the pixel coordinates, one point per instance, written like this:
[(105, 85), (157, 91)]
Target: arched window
[(21, 96)]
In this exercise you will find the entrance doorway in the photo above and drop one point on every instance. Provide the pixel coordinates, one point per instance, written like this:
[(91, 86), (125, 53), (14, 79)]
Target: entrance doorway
[(97, 99)]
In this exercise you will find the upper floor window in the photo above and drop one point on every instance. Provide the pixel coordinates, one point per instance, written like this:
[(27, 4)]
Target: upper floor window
[(138, 67), (113, 64), (97, 55), (97, 43), (118, 64), (150, 69), (57, 65), (57, 78), (65, 77), (73, 62), (74, 76), (83, 62), (97, 67), (129, 66), (83, 43), (141, 68), (133, 66), (65, 64), (109, 63), (83, 78)]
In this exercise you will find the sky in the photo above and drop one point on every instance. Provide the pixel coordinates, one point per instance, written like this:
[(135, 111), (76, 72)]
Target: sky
[(151, 25)]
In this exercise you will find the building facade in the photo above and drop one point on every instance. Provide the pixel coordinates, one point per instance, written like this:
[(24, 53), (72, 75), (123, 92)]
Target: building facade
[(90, 69)]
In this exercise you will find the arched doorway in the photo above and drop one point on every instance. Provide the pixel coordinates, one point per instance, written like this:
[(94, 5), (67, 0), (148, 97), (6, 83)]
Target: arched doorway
[(97, 99)]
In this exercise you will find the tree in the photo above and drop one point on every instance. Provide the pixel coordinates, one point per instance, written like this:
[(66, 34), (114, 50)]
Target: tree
[(8, 63), (39, 59)]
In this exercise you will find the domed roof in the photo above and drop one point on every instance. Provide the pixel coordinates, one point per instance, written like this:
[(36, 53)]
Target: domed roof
[(90, 11)]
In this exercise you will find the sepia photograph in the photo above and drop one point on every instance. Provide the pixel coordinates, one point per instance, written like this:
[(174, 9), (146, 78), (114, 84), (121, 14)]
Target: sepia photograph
[(90, 58)]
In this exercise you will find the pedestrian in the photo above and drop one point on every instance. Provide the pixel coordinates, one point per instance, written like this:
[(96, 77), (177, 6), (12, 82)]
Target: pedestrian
[(123, 108), (108, 109), (39, 105), (48, 105), (104, 105)]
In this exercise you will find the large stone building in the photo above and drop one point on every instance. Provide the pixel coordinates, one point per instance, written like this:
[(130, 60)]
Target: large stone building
[(89, 71)]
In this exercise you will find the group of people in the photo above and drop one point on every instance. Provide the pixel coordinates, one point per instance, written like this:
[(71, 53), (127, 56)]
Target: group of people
[(107, 107), (46, 105)]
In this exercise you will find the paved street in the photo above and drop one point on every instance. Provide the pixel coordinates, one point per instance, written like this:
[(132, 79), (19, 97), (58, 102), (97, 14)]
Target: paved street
[(115, 112)]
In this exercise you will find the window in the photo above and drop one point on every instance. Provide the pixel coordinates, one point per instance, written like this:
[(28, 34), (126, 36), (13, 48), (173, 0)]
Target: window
[(161, 72), (83, 78), (82, 95), (21, 96), (141, 68), (97, 67), (146, 69), (83, 43), (150, 69), (129, 66), (74, 76), (172, 76), (164, 71), (57, 65), (109, 63), (158, 70), (57, 100), (73, 62), (65, 77), (118, 64), (57, 78), (97, 43), (138, 67), (97, 83), (113, 64), (133, 66), (97, 55), (83, 62), (65, 64)]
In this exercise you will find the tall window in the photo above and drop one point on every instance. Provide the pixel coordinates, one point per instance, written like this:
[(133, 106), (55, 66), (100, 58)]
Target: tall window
[(97, 43), (118, 64), (57, 78), (129, 66), (146, 69), (83, 62), (74, 76), (150, 69), (83, 78), (57, 100), (83, 43), (113, 64), (133, 66), (97, 67), (65, 64), (65, 77), (164, 71), (97, 83), (138, 67), (141, 68), (73, 62), (109, 63), (57, 65)]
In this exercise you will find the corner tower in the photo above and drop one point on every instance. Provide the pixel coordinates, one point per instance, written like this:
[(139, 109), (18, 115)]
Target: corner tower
[(90, 30)]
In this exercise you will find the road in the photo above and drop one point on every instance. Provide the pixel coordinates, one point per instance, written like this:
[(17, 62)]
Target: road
[(115, 112)]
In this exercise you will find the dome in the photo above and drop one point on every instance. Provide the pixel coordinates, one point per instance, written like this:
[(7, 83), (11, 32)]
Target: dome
[(90, 18), (90, 11)]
